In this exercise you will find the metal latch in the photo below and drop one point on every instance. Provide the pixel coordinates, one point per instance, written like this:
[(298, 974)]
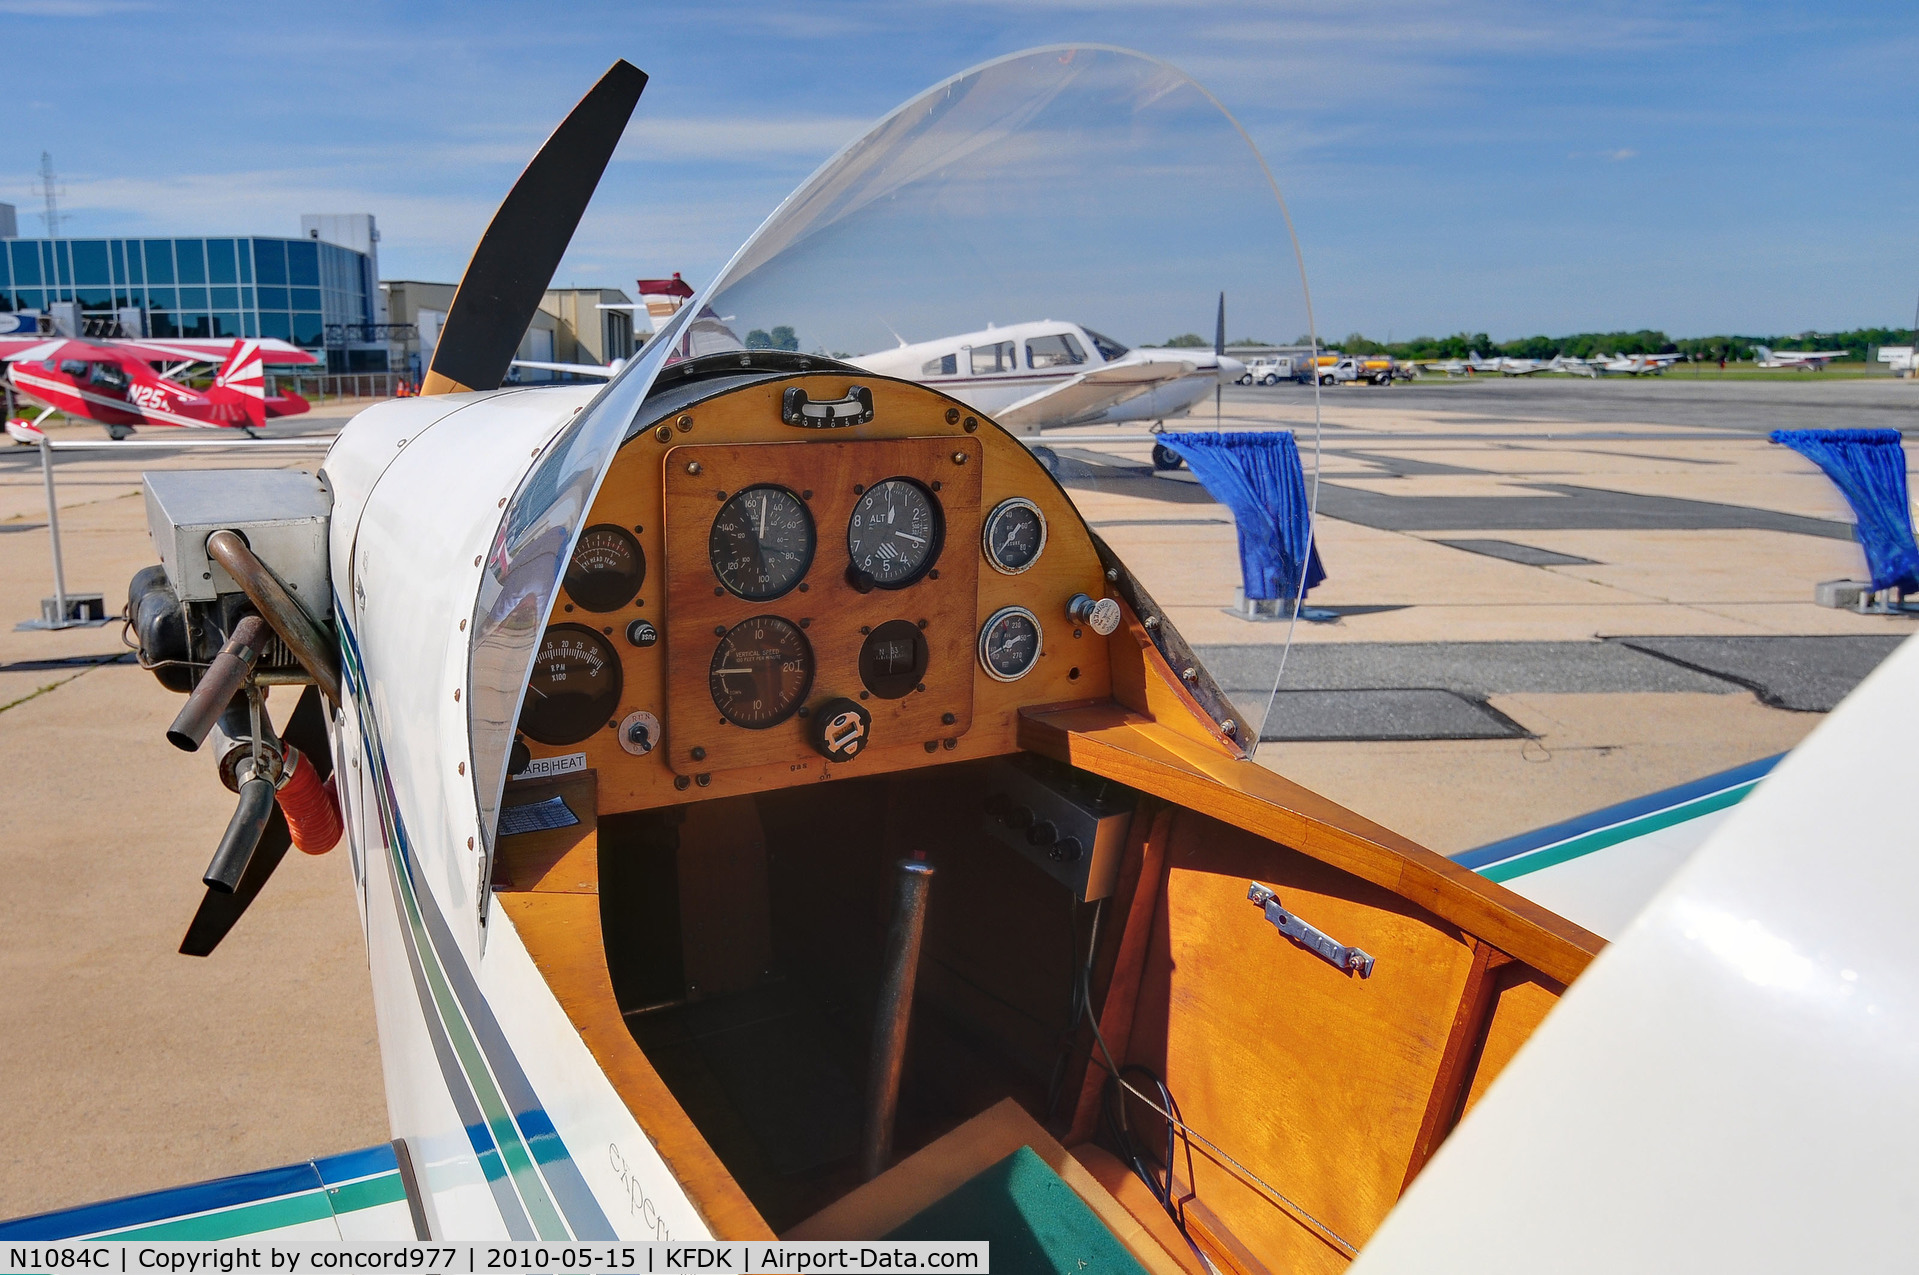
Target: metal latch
[(855, 409), (1313, 940)]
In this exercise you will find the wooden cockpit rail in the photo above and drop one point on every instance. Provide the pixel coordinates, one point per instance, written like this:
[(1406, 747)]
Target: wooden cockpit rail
[(1118, 744)]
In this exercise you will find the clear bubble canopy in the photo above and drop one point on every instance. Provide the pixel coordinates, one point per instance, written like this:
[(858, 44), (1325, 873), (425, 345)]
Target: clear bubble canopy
[(1027, 236)]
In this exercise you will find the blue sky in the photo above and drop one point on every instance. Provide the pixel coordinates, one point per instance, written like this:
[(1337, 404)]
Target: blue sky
[(1509, 168)]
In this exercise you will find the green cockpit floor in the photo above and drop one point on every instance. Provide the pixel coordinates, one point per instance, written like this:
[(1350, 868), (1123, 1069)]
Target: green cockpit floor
[(1036, 1223)]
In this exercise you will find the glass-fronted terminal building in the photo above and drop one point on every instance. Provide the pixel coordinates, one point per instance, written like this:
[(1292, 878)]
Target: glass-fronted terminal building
[(316, 294)]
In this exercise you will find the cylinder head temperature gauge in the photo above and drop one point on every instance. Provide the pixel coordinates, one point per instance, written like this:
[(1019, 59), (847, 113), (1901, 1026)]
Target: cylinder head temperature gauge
[(1009, 644)]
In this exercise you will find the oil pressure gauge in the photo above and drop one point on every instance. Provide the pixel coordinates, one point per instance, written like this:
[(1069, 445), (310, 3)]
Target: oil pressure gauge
[(1014, 535)]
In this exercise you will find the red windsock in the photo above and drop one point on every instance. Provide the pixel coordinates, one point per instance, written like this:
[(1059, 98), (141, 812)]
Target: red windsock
[(313, 815)]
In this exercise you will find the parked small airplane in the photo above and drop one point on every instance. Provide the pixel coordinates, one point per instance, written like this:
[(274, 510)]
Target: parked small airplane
[(1804, 360), (114, 384)]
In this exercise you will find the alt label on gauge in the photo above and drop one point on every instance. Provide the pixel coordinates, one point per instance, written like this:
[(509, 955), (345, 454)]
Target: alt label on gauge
[(606, 570), (895, 533)]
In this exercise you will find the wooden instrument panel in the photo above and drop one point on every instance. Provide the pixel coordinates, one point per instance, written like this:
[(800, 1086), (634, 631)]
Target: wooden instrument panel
[(835, 618), (913, 433)]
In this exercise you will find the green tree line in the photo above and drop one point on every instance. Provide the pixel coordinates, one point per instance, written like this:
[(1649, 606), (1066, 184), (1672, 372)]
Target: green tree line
[(1585, 345)]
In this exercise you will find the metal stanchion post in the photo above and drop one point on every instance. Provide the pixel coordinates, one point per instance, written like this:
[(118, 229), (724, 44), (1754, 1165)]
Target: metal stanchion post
[(53, 531)]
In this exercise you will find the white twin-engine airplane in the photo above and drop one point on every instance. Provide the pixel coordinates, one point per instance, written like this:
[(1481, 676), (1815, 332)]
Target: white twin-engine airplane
[(1804, 360), (775, 814), (1036, 376)]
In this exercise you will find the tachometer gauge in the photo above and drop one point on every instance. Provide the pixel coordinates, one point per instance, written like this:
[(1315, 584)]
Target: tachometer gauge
[(1009, 644), (1014, 535), (895, 533), (575, 688), (761, 672), (607, 568), (762, 542), (893, 659)]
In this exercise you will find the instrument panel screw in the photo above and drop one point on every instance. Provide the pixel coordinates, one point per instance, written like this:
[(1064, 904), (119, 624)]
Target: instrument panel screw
[(462, 768), (693, 467), (859, 489), (1076, 633), (1151, 621), (972, 423), (476, 559), (682, 783), (959, 458), (719, 591), (865, 629), (920, 689), (720, 495), (1072, 674), (685, 424), (806, 623), (503, 502), (934, 574), (1112, 573), (922, 623), (1228, 725), (638, 530), (804, 586), (932, 745), (456, 695), (952, 416), (950, 744), (1190, 673), (865, 695), (462, 628), (699, 754), (702, 779), (664, 433), (719, 630), (469, 843), (947, 719), (807, 494), (804, 712)]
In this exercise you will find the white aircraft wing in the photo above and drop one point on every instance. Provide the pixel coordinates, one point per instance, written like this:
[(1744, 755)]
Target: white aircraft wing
[(580, 369), (1092, 392), (355, 1197), (1600, 869), (1728, 1087)]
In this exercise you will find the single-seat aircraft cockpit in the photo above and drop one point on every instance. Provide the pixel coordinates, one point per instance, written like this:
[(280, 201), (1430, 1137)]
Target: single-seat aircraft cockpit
[(776, 811)]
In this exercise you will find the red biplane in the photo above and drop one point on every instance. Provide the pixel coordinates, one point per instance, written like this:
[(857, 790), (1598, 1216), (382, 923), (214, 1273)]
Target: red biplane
[(115, 382)]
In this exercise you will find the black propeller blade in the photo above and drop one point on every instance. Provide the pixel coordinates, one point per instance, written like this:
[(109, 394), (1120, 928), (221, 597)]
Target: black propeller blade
[(1219, 352), (521, 249), (306, 731)]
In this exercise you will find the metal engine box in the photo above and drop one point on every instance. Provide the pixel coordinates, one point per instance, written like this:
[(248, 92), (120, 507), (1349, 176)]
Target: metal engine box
[(1070, 824), (281, 512)]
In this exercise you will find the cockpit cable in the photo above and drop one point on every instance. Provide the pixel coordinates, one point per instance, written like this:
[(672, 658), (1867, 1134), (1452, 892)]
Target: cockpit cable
[(1170, 1113)]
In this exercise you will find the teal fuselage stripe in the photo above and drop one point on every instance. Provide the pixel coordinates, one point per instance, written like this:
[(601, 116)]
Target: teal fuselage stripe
[(498, 1104), (1601, 838)]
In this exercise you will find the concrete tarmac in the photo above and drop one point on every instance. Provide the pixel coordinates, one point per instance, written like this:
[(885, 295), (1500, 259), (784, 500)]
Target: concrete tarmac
[(1543, 605), (129, 1067)]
